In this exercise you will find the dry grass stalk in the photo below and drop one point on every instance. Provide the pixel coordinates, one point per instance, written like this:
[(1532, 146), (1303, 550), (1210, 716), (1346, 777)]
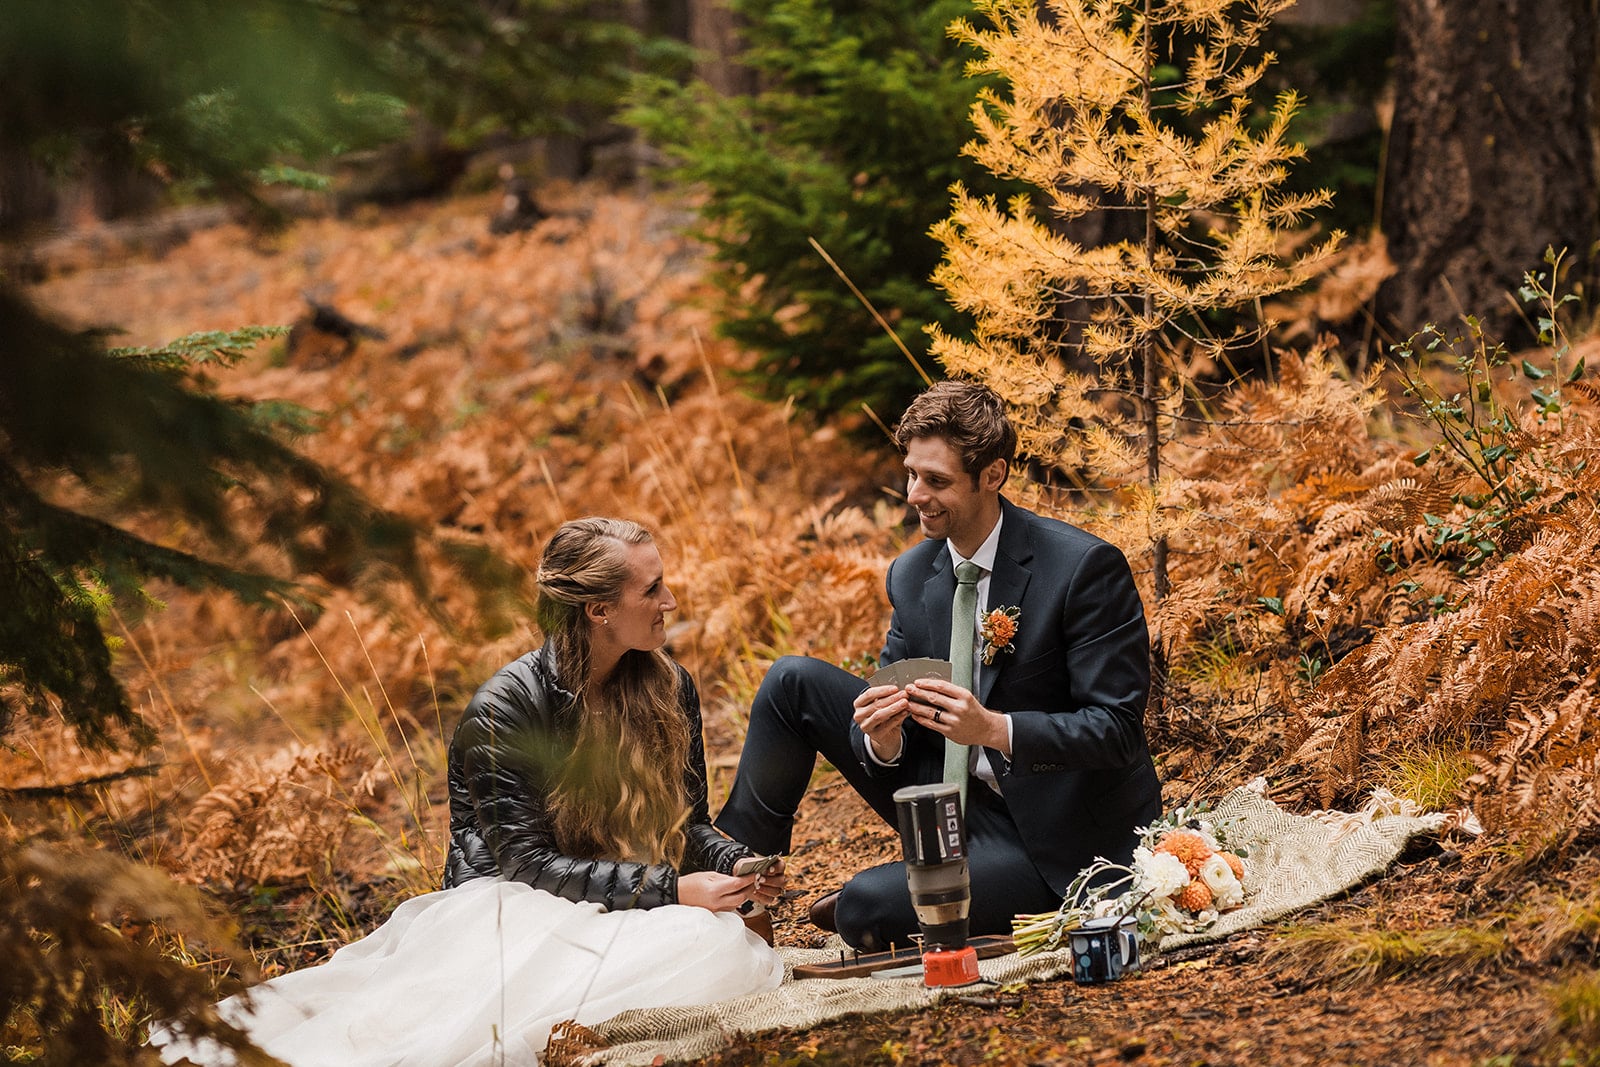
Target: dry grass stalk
[(1574, 1033), (1346, 957)]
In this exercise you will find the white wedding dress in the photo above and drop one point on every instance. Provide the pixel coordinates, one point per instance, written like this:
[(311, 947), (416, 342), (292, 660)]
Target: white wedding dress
[(477, 975)]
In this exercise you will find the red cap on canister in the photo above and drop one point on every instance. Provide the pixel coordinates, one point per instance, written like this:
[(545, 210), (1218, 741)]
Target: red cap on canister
[(949, 966)]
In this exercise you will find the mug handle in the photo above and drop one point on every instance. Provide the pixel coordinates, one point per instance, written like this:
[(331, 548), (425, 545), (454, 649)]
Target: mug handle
[(1128, 941)]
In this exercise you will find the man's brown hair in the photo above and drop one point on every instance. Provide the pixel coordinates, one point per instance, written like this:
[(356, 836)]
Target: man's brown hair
[(969, 416)]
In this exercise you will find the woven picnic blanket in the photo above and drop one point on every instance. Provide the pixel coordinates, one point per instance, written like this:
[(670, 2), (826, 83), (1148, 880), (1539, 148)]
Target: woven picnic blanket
[(1295, 861)]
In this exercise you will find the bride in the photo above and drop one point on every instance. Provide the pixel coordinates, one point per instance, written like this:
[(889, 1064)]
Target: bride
[(584, 877)]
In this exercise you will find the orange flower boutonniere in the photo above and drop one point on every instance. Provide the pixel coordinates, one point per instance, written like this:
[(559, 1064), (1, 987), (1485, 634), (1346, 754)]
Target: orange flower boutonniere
[(999, 627)]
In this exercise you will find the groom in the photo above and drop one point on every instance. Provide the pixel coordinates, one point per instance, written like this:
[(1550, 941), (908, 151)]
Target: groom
[(1047, 740)]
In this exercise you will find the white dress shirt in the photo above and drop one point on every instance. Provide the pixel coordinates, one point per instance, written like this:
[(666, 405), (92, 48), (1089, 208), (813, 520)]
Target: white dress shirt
[(984, 558)]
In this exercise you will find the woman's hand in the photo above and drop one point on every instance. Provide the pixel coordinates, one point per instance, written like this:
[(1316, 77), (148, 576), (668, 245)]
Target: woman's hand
[(715, 892), (724, 892)]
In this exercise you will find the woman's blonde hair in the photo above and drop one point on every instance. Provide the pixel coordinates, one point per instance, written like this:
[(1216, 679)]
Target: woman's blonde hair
[(621, 794)]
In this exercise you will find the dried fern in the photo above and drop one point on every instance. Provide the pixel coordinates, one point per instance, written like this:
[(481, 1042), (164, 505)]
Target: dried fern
[(89, 939), (278, 820)]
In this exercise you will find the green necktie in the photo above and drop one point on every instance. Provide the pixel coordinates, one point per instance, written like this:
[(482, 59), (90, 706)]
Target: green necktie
[(963, 620)]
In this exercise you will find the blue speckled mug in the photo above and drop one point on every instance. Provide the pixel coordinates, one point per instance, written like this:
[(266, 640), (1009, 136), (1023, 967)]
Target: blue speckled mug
[(1105, 949)]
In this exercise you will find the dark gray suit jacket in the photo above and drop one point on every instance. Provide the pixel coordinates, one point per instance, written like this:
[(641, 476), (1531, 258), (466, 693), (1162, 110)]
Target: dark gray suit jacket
[(1080, 776)]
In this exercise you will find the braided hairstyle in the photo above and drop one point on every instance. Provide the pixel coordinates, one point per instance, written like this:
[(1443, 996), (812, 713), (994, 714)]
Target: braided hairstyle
[(621, 794)]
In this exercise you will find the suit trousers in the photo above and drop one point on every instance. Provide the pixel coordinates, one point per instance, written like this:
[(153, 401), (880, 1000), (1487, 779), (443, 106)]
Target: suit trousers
[(804, 709)]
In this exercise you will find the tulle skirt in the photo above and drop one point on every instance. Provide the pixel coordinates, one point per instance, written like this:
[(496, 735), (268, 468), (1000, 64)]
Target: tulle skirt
[(478, 975)]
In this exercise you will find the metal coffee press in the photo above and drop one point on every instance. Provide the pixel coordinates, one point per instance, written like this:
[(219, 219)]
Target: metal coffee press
[(933, 836)]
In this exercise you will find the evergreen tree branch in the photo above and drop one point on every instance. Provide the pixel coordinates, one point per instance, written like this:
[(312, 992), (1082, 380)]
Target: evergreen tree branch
[(51, 646), (140, 427), (70, 542), (81, 786)]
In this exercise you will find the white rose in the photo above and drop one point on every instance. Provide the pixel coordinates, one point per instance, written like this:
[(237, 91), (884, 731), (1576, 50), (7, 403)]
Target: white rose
[(1160, 874), (1225, 888)]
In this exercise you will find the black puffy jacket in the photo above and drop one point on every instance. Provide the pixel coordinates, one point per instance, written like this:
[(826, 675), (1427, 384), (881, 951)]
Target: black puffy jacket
[(519, 727)]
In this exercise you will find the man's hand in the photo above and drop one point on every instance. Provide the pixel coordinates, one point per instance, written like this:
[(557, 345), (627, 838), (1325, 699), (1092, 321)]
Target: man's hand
[(880, 712), (770, 884), (772, 878), (946, 708)]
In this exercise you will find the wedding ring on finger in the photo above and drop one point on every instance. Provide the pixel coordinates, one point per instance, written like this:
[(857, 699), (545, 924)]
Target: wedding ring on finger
[(938, 714)]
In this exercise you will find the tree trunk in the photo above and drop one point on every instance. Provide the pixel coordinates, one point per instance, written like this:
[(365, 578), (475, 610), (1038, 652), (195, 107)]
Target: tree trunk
[(1492, 155), (714, 31)]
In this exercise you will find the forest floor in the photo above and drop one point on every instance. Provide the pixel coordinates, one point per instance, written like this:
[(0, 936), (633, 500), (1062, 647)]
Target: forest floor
[(1262, 997), (1244, 1000)]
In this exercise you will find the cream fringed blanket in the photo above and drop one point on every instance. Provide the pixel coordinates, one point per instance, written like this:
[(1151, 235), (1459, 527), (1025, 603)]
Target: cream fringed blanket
[(1295, 861)]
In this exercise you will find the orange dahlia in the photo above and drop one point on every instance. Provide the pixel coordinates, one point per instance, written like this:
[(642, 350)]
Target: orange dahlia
[(1188, 846), (1196, 896)]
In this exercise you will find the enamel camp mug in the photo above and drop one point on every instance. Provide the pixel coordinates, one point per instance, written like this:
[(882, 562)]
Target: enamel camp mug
[(1105, 949)]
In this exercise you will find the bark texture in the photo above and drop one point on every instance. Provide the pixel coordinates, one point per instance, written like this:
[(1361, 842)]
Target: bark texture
[(1492, 155), (714, 31)]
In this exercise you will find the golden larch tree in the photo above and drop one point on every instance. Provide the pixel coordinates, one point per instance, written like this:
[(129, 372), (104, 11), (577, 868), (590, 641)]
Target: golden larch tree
[(1115, 106)]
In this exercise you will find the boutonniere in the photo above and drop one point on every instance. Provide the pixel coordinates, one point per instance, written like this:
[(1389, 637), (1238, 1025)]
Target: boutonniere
[(999, 627)]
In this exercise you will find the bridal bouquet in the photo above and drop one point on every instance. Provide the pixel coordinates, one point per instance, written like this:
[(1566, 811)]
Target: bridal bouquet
[(1184, 874)]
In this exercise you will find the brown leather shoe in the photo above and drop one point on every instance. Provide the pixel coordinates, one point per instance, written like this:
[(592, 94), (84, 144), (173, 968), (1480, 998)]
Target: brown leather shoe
[(821, 914), (758, 922)]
